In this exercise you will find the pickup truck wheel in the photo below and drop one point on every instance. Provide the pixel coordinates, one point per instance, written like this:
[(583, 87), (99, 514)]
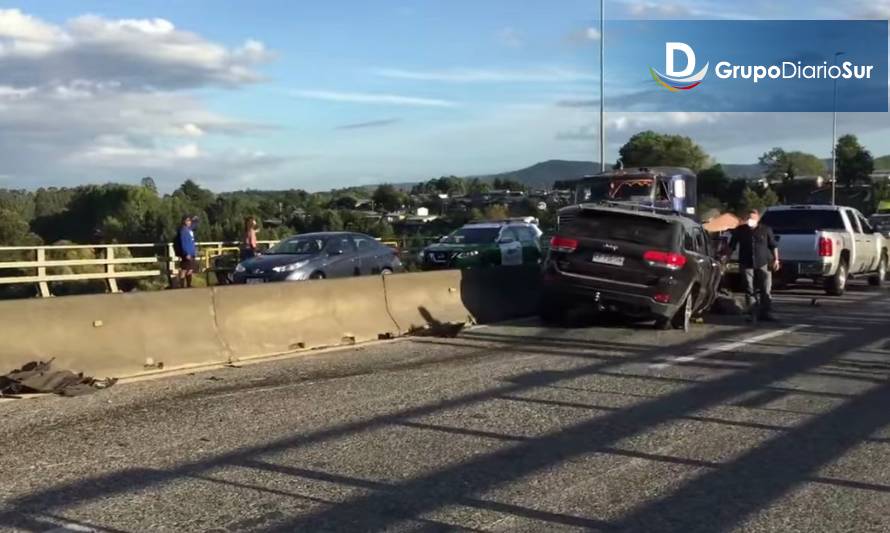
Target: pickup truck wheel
[(837, 284), (878, 279)]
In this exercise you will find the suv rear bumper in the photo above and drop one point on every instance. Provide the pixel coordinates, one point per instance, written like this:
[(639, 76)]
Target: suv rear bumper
[(566, 289)]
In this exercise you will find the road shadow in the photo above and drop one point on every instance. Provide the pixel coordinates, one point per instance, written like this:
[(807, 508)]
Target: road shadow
[(384, 505)]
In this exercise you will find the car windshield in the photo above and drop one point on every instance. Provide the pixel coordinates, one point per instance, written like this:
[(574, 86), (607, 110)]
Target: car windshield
[(802, 221), (299, 245), (621, 190), (626, 227), (473, 236)]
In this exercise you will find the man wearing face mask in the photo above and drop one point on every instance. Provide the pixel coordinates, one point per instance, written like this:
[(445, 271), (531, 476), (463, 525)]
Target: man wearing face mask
[(758, 259)]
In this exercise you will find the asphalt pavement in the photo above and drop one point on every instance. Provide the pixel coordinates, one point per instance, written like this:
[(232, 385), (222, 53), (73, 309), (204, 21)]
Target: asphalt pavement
[(511, 427)]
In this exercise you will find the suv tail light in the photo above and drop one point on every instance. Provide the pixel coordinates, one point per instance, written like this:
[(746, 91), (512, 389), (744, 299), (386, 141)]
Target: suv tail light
[(671, 260), (826, 247), (563, 244)]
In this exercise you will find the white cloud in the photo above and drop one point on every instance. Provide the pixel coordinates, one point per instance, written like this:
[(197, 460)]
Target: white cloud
[(509, 37), (95, 98), (374, 98), (875, 9), (468, 75), (135, 53), (650, 10)]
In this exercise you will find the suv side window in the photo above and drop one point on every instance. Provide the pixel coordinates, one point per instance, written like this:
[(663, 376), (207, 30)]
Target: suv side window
[(701, 241), (688, 241)]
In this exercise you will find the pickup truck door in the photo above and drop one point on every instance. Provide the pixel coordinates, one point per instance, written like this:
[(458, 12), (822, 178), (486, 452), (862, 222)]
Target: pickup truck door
[(871, 245), (859, 253)]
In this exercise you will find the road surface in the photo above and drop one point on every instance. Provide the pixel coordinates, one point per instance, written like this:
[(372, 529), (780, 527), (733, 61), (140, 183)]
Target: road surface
[(513, 427)]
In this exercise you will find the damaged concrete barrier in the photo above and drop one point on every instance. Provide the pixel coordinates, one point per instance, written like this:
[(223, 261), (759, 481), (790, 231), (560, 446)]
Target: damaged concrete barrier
[(108, 335), (275, 318), (450, 296)]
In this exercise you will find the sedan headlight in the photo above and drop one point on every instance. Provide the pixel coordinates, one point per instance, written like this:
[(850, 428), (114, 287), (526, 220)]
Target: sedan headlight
[(468, 254), (240, 268), (289, 268)]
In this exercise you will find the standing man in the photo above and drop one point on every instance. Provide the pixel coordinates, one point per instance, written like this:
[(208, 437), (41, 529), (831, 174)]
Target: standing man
[(186, 250), (758, 259)]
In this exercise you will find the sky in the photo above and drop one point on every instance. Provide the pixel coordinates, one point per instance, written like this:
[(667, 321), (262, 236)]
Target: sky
[(315, 95)]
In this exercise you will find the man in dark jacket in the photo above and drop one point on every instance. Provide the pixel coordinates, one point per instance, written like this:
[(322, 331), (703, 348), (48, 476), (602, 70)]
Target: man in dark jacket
[(758, 259), (186, 249)]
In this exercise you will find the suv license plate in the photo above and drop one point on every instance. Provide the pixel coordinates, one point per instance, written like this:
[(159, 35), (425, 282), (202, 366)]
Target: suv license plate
[(614, 260), (251, 281)]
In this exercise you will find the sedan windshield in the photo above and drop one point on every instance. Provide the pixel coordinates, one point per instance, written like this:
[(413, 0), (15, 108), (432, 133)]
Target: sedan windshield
[(296, 246), (473, 236)]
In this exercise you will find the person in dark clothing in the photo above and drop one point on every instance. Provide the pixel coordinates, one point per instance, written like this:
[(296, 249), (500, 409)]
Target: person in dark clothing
[(758, 259), (186, 249)]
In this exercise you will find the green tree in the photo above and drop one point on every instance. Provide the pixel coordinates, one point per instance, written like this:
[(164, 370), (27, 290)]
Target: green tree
[(854, 162), (13, 228), (389, 198), (496, 212), (751, 199), (508, 184), (477, 186), (649, 149), (782, 165), (196, 196), (714, 182), (149, 183)]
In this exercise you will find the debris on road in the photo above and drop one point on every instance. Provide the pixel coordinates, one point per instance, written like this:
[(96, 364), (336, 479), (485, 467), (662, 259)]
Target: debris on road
[(726, 304), (38, 377)]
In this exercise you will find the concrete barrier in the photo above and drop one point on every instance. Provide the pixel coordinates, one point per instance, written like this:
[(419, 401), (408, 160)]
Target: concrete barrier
[(128, 334), (283, 317), (111, 334), (479, 295), (425, 299)]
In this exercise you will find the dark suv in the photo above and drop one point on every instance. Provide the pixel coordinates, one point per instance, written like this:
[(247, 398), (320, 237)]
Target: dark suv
[(637, 263)]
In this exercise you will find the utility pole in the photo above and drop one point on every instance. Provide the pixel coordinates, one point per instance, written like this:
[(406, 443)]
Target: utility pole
[(834, 139), (602, 85)]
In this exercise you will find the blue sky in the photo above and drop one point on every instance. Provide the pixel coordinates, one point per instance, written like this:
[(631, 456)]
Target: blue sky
[(273, 94)]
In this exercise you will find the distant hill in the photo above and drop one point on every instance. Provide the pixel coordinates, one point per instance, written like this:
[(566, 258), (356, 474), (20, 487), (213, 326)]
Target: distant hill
[(542, 175)]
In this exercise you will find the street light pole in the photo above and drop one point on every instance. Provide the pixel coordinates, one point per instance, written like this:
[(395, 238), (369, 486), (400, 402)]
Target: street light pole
[(602, 86), (834, 138)]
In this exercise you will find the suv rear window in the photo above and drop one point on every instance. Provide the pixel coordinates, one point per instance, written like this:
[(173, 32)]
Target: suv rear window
[(610, 226), (801, 221)]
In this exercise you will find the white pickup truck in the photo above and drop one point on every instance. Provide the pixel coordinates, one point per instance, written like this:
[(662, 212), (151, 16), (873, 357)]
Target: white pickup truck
[(826, 243)]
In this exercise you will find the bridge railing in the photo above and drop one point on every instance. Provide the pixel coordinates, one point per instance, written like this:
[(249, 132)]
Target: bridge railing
[(47, 266), (42, 265)]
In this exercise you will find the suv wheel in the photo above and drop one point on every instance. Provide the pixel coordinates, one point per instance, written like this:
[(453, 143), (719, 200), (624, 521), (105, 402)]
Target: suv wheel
[(878, 279), (551, 311), (837, 284), (683, 318)]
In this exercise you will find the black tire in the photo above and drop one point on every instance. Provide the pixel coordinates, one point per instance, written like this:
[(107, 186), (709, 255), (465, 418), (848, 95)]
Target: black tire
[(317, 275), (551, 311), (837, 284), (662, 323), (683, 318), (877, 280)]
